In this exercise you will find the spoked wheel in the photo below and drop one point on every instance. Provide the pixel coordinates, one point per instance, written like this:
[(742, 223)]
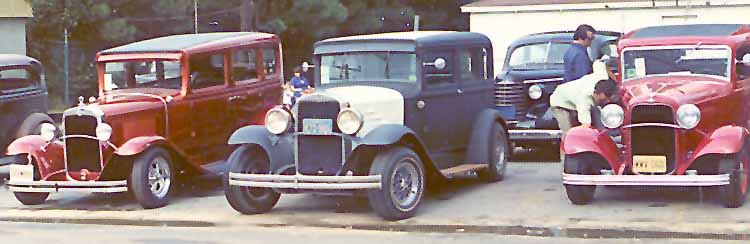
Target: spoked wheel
[(32, 198), (151, 178), (734, 195), (249, 200), (582, 164), (403, 183), (499, 151)]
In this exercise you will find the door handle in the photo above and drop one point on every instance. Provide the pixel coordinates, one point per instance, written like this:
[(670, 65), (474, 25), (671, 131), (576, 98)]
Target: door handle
[(460, 91), (232, 98)]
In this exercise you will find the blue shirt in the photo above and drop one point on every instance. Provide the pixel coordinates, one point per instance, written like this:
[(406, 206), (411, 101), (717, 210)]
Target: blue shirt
[(299, 85), (576, 62)]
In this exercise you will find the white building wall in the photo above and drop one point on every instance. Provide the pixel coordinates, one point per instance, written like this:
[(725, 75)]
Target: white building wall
[(504, 27), (13, 32)]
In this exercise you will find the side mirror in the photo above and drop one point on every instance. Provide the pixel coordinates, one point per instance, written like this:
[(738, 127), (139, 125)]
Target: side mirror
[(439, 63), (306, 66)]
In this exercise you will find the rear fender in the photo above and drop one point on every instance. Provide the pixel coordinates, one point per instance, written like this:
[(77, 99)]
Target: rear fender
[(49, 157), (586, 139), (724, 140), (279, 149), (139, 144), (481, 137)]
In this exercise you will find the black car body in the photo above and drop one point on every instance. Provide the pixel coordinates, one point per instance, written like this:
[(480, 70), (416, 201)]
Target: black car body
[(389, 111), (535, 62), (23, 99)]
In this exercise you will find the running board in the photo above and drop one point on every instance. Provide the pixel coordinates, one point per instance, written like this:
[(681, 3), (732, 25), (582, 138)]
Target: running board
[(464, 169)]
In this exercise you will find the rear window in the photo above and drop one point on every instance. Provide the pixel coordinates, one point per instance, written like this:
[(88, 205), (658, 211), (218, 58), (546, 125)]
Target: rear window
[(18, 79)]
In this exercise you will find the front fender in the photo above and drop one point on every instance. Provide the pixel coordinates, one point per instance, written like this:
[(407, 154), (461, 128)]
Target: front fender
[(139, 144), (586, 139), (481, 136), (49, 157), (386, 135), (280, 149), (724, 140)]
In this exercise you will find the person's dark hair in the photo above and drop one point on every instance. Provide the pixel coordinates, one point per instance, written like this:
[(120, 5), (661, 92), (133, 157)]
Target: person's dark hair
[(581, 31), (298, 69), (608, 87)]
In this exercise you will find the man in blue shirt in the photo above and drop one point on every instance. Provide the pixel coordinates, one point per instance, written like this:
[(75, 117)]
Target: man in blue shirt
[(576, 60)]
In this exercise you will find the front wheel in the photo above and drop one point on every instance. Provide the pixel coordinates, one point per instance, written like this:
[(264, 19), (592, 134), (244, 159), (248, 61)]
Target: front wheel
[(249, 200), (151, 178), (498, 155), (402, 183), (581, 164), (32, 198), (734, 195)]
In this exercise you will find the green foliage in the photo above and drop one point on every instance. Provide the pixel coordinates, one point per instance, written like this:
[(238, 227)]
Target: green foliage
[(99, 24)]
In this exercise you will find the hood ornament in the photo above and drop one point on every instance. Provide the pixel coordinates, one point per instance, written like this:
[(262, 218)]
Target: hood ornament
[(80, 102)]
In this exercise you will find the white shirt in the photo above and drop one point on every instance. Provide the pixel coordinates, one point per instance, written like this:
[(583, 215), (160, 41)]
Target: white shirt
[(578, 94)]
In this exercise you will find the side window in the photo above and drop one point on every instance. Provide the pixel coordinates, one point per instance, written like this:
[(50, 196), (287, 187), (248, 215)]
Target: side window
[(472, 64), (269, 61), (245, 65), (434, 76), (206, 71), (18, 79)]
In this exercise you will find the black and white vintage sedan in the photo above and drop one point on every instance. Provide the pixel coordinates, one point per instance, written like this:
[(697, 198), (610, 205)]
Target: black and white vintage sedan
[(390, 112)]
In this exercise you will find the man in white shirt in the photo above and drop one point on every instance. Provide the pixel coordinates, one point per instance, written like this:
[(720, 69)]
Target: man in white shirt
[(581, 96)]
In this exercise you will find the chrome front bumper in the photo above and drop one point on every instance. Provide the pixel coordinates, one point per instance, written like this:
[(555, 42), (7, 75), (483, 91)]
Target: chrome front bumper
[(306, 182), (21, 180), (534, 134), (646, 180)]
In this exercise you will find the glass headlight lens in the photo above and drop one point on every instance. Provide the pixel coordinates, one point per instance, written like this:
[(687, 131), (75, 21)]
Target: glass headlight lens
[(535, 92), (349, 121), (612, 116), (47, 131), (277, 121), (103, 132), (688, 116)]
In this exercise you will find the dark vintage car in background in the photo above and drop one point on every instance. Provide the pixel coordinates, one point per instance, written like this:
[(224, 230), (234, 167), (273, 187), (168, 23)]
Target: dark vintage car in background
[(532, 70), (166, 107), (684, 119), (390, 112), (23, 100)]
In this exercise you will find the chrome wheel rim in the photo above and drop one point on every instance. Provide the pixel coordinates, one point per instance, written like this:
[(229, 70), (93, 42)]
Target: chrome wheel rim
[(405, 186), (499, 152), (159, 177)]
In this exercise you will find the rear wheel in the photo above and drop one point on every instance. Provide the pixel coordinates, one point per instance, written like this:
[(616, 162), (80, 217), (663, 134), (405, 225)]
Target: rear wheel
[(581, 164), (32, 125), (403, 180), (249, 200), (498, 155), (32, 198), (151, 178), (734, 195)]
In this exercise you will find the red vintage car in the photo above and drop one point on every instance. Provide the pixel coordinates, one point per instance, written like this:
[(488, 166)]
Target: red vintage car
[(683, 117), (166, 107)]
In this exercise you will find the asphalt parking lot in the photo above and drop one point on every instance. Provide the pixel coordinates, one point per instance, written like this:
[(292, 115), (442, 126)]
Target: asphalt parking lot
[(530, 201)]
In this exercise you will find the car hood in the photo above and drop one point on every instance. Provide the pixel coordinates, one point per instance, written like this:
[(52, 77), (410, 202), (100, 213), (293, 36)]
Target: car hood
[(378, 105), (674, 90)]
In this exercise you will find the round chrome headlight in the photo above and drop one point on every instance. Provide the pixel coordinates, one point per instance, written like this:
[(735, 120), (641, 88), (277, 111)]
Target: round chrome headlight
[(278, 121), (103, 132), (535, 92), (349, 121), (688, 116), (47, 131), (612, 116)]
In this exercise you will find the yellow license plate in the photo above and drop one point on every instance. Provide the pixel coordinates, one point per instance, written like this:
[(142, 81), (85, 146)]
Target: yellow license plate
[(649, 164)]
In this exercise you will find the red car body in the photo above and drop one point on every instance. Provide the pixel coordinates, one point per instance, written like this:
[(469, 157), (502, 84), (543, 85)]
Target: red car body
[(707, 75), (179, 95)]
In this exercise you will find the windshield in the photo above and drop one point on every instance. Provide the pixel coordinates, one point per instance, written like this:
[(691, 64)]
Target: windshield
[(695, 60), (538, 55), (17, 80), (368, 66), (142, 74)]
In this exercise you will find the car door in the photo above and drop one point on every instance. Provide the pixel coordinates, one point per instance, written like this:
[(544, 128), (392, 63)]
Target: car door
[(476, 91), (437, 117), (255, 90), (207, 100)]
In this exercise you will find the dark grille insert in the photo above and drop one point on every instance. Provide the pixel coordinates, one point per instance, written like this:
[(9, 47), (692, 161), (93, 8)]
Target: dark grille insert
[(653, 140), (317, 107), (316, 153), (82, 153)]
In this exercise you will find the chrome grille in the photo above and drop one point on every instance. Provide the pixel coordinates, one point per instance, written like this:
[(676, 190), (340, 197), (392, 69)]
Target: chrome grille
[(653, 140), (508, 93), (82, 153), (317, 107)]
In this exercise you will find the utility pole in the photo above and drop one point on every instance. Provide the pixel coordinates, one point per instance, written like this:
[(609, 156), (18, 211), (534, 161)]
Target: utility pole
[(195, 15), (247, 16), (416, 22), (66, 53)]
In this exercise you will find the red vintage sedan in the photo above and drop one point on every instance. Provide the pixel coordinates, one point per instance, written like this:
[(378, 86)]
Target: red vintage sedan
[(166, 107), (683, 120)]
